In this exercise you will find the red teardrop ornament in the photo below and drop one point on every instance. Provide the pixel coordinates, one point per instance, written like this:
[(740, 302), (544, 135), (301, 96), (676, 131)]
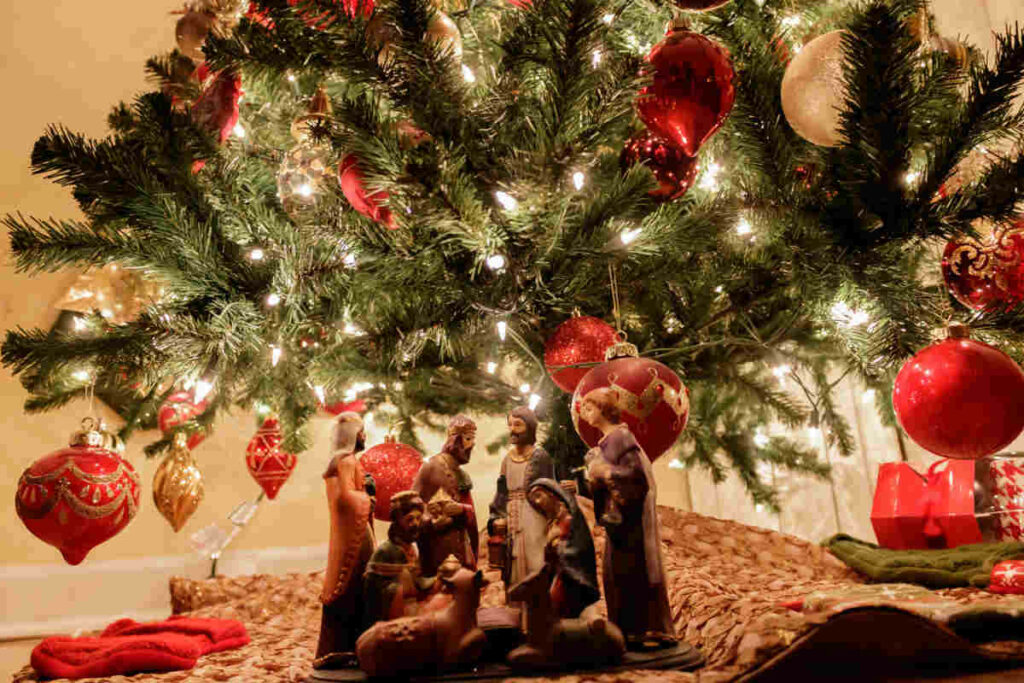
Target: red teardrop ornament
[(267, 463)]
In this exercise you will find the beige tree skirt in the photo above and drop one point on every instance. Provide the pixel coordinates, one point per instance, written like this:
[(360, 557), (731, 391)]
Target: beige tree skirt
[(727, 583)]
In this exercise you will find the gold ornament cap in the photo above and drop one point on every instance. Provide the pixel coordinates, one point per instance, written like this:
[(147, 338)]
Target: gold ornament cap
[(621, 349), (94, 433), (958, 331)]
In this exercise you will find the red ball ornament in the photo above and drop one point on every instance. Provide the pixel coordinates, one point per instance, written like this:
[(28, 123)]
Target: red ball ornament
[(987, 272), (580, 339), (652, 400), (353, 186), (78, 497), (960, 398), (393, 466), (267, 463), (339, 407), (692, 91), (674, 171), (179, 408), (216, 108)]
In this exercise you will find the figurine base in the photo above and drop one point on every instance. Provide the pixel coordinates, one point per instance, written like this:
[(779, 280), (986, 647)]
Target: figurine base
[(680, 657)]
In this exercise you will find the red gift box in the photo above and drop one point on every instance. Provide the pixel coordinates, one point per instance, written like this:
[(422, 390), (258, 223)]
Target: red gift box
[(935, 510)]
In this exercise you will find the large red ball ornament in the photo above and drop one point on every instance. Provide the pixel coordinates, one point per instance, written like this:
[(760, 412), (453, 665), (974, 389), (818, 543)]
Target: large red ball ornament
[(652, 400), (267, 463), (987, 272), (353, 186), (960, 398), (692, 91), (78, 497), (179, 408), (580, 339), (393, 466), (674, 171)]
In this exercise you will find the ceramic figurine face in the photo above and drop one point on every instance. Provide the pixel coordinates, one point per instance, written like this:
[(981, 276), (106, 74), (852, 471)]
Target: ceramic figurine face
[(542, 500), (462, 447), (517, 429), (410, 524)]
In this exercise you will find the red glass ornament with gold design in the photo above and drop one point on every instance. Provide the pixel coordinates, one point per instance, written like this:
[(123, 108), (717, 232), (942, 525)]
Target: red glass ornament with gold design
[(674, 171), (652, 400), (179, 408), (987, 271), (267, 463), (580, 339), (393, 466), (78, 497), (692, 91), (960, 398)]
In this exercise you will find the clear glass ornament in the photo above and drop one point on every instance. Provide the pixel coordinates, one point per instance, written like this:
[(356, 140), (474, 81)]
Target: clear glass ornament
[(301, 178)]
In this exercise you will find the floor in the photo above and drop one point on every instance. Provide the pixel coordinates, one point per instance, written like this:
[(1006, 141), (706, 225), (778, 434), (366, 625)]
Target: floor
[(14, 655)]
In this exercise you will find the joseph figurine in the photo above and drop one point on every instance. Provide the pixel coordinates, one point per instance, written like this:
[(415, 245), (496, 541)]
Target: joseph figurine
[(449, 527), (622, 485), (525, 528), (351, 544)]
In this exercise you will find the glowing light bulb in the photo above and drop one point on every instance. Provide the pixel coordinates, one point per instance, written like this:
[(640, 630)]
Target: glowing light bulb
[(676, 465), (81, 375), (744, 227), (80, 325), (291, 78), (709, 179), (492, 367), (780, 371), (273, 299), (496, 262), (468, 75), (507, 201), (107, 313), (534, 401), (627, 236), (791, 21), (761, 439), (256, 254), (911, 177), (275, 355), (595, 58), (262, 408), (868, 396), (349, 260), (759, 508), (502, 329), (320, 394), (202, 390), (238, 131), (579, 179), (718, 289), (814, 435), (608, 18), (306, 190), (524, 388)]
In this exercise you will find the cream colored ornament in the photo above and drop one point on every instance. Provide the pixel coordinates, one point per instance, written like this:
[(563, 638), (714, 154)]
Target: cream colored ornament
[(813, 90), (119, 294), (178, 484), (445, 34)]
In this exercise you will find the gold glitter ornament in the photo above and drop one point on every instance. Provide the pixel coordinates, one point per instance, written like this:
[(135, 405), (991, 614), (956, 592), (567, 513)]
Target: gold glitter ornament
[(178, 484), (444, 33), (300, 179), (813, 91)]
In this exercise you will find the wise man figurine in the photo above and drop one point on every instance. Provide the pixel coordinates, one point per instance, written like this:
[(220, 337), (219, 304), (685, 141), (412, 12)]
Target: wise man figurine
[(350, 547), (523, 527), (449, 527), (394, 583), (621, 482)]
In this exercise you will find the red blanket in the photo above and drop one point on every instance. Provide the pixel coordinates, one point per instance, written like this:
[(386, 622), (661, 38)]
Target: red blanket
[(126, 646)]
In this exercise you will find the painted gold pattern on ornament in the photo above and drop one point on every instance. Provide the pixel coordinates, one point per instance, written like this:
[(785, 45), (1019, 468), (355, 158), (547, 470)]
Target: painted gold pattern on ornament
[(990, 258), (122, 468)]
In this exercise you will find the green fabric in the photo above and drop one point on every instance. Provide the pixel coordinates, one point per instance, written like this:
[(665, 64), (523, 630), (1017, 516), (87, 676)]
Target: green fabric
[(968, 565)]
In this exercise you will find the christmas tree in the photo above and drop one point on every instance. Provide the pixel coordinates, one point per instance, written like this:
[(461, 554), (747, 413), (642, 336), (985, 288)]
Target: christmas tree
[(411, 197)]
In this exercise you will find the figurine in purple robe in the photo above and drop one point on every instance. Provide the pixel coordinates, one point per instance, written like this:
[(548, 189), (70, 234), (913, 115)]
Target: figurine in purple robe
[(622, 486)]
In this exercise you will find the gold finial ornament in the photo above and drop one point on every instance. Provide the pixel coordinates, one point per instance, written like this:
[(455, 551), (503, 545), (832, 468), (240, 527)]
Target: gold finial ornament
[(178, 484)]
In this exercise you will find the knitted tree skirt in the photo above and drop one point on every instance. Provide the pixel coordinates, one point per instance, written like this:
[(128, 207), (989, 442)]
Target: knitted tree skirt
[(734, 589)]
